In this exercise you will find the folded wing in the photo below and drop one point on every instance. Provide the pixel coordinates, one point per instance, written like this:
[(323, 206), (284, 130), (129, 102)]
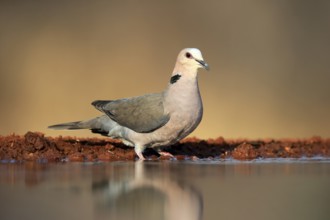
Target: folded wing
[(142, 114)]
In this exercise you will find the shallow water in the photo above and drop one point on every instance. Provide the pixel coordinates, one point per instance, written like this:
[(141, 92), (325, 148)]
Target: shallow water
[(271, 189)]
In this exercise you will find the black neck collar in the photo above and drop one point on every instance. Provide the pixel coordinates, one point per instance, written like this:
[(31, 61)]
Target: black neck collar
[(175, 78)]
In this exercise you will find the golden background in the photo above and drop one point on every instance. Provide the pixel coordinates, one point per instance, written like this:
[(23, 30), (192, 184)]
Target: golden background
[(270, 62)]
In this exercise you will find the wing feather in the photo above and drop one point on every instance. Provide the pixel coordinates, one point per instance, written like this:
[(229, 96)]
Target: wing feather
[(142, 114)]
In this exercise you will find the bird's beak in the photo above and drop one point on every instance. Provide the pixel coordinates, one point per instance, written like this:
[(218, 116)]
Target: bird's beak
[(204, 65)]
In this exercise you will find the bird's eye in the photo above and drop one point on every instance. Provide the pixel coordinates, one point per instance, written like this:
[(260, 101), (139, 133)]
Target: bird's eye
[(188, 55)]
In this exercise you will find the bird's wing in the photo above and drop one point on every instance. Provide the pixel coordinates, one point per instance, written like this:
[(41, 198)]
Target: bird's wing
[(142, 114)]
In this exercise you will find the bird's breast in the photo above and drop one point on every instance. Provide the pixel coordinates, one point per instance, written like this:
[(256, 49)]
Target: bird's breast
[(184, 105)]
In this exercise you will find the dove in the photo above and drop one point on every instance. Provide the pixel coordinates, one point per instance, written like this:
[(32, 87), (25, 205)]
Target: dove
[(153, 120)]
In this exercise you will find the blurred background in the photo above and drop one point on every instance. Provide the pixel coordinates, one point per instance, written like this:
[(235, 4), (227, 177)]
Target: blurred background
[(270, 62)]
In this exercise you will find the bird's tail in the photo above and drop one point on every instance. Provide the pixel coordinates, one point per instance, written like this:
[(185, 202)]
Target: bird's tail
[(70, 125), (94, 123), (101, 125)]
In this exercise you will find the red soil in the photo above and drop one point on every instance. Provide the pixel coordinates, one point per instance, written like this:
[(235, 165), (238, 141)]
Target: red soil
[(34, 146)]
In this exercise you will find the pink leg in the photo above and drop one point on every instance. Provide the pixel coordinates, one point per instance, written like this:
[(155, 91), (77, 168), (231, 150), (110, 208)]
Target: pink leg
[(138, 150), (140, 155)]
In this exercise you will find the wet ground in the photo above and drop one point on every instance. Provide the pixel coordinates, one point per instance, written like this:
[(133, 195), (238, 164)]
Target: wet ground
[(269, 189), (34, 146)]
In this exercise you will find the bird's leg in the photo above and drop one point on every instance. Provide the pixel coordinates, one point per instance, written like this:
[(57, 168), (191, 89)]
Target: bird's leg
[(138, 150)]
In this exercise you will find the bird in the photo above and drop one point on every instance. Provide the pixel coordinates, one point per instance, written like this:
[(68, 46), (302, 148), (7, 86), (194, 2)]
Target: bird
[(154, 120)]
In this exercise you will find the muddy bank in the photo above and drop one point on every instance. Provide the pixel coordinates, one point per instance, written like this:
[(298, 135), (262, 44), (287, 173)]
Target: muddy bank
[(34, 146)]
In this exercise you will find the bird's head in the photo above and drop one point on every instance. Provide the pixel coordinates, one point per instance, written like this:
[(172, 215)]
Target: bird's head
[(192, 58)]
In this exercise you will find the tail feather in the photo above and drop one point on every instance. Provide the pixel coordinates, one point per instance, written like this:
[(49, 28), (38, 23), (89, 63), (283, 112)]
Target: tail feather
[(70, 125), (102, 123)]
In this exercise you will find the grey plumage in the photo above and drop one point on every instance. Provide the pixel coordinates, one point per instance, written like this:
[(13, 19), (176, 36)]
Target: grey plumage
[(70, 125), (153, 120), (141, 114), (95, 123)]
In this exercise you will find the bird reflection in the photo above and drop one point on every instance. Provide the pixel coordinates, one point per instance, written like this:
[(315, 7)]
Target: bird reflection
[(147, 195)]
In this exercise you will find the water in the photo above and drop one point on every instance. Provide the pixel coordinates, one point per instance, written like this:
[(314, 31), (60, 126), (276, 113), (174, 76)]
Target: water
[(278, 189)]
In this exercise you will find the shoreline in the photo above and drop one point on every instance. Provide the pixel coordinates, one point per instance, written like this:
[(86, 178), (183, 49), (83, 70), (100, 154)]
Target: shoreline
[(35, 146)]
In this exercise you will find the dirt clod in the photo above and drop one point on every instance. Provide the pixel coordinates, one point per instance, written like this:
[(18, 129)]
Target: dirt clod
[(35, 140), (244, 151)]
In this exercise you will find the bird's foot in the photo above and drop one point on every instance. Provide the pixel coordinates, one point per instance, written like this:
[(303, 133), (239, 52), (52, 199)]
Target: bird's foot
[(138, 150), (165, 154), (140, 155)]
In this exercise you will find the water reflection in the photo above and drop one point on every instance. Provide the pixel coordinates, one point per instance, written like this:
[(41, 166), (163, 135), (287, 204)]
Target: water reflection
[(140, 190), (148, 195), (166, 190)]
